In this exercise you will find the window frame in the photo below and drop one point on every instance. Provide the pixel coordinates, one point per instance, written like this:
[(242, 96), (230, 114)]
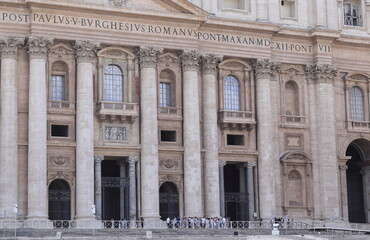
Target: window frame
[(354, 112), (295, 10), (51, 91), (360, 13), (122, 80), (231, 97)]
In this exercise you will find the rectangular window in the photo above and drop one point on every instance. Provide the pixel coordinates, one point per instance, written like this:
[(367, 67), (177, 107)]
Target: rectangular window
[(57, 88), (234, 4), (288, 9), (165, 95), (352, 13), (168, 136), (235, 140), (59, 130)]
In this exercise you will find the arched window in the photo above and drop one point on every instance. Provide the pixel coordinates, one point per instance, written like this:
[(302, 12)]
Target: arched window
[(356, 99), (291, 98), (231, 94), (113, 84)]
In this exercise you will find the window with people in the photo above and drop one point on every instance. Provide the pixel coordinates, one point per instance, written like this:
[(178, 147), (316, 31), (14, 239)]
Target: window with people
[(352, 13)]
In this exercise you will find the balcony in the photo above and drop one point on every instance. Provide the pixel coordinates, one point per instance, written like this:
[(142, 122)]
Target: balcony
[(117, 111), (294, 121), (359, 126), (173, 113), (64, 107), (236, 120)]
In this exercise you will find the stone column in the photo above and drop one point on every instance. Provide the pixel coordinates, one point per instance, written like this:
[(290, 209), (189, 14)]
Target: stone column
[(98, 196), (322, 76), (250, 184), (210, 136), (222, 188), (149, 132), (366, 183), (37, 129), (85, 52), (192, 162), (9, 124), (122, 175), (343, 190), (264, 70), (132, 193), (242, 189)]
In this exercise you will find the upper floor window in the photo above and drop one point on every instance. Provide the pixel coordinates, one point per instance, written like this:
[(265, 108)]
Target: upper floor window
[(57, 88), (234, 4), (356, 99), (113, 84), (165, 94), (231, 94), (352, 13), (288, 8), (291, 98)]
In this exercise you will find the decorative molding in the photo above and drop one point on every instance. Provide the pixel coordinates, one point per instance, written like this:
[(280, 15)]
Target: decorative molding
[(115, 133), (9, 46), (148, 56), (118, 3), (222, 164), (60, 51), (190, 59), (210, 63), (86, 50), (168, 164), (265, 69), (38, 47), (168, 59), (98, 158), (321, 73), (177, 179), (67, 176), (133, 159), (60, 160)]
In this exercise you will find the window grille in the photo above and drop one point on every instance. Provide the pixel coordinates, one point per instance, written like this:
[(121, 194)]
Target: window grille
[(356, 99), (165, 95), (231, 94), (57, 88), (113, 84)]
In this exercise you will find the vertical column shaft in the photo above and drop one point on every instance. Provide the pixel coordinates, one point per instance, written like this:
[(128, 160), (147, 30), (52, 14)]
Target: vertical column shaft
[(9, 124), (122, 174), (264, 71), (250, 183), (37, 133), (343, 188), (222, 188), (132, 193), (149, 133), (85, 51), (98, 195), (210, 135), (192, 161)]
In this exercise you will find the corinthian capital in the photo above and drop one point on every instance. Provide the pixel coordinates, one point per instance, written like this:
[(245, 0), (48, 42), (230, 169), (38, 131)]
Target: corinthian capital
[(321, 73), (133, 159), (210, 63), (9, 46), (190, 59), (86, 50), (148, 56), (38, 46), (265, 69)]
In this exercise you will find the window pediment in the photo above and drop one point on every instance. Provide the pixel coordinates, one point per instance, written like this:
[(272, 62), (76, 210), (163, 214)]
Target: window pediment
[(116, 53), (235, 65)]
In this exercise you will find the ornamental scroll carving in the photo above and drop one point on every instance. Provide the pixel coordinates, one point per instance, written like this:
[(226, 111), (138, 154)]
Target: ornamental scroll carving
[(177, 179), (190, 59), (210, 63), (86, 50), (321, 73), (118, 3), (115, 133), (67, 176), (60, 161), (168, 59), (60, 51), (265, 69), (9, 46), (169, 164), (38, 46), (148, 56)]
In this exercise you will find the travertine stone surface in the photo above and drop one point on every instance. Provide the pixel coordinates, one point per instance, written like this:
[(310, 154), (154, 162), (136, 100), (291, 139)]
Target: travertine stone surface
[(210, 135), (97, 184), (9, 124), (149, 133), (85, 51), (37, 129), (132, 160), (192, 170)]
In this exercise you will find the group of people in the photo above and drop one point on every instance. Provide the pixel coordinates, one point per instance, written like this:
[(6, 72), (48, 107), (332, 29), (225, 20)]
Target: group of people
[(197, 222)]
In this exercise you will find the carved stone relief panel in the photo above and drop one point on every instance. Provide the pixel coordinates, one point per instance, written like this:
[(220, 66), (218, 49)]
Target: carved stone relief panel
[(61, 160), (115, 133), (169, 164), (293, 141)]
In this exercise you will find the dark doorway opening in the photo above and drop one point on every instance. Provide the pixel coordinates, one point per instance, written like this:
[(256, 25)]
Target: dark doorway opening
[(168, 201), (355, 187), (59, 200), (236, 198)]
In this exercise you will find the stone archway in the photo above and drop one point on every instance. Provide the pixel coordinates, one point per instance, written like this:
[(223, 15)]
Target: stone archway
[(168, 201), (358, 181), (59, 200)]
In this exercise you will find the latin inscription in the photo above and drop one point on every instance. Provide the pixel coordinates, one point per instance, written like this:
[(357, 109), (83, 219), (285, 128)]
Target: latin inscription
[(159, 30)]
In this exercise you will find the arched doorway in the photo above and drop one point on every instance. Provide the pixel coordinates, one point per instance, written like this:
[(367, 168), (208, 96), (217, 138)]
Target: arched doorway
[(358, 180), (168, 201), (59, 200)]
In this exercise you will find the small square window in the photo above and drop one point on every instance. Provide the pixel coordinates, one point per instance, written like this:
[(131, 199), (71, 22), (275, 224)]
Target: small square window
[(235, 140), (168, 136), (59, 130), (234, 4), (288, 9)]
